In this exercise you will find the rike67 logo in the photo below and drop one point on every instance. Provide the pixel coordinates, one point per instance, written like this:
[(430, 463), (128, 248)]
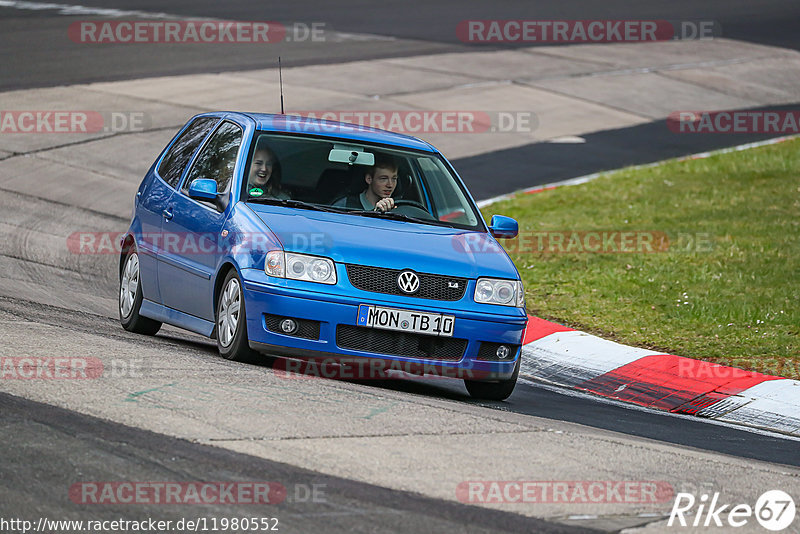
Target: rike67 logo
[(774, 510)]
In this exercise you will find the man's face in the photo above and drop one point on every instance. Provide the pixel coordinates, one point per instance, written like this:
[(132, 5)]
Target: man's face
[(382, 182), (261, 169)]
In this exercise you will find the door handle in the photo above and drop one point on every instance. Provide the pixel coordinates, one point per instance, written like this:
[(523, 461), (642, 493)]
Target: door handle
[(167, 214)]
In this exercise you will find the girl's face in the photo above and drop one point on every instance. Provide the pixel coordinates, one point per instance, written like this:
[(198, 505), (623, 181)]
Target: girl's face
[(261, 169)]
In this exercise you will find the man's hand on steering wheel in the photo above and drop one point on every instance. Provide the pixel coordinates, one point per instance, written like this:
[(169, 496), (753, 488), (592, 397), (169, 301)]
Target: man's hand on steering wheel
[(385, 204)]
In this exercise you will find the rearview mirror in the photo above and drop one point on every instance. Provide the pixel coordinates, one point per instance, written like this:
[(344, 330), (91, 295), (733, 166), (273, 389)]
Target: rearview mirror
[(352, 155)]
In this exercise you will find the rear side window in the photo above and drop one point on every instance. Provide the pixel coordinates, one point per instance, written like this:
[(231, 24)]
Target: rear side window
[(181, 151), (217, 159)]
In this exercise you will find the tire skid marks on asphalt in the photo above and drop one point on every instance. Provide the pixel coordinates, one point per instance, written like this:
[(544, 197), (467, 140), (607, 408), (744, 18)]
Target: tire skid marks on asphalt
[(37, 264), (673, 383), (775, 403), (36, 230)]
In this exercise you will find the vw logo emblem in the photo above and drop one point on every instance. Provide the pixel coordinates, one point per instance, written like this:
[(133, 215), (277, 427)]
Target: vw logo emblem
[(408, 282)]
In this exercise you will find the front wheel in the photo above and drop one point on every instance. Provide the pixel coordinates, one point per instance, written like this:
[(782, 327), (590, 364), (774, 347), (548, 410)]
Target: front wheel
[(231, 322), (130, 298), (497, 391)]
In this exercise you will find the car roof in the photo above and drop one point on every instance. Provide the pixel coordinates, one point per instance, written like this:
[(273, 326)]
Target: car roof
[(338, 130)]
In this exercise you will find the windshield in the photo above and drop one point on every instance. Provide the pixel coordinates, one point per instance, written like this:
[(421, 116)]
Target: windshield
[(317, 174)]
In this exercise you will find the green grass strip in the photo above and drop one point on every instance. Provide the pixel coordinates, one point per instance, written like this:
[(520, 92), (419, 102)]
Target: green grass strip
[(722, 282)]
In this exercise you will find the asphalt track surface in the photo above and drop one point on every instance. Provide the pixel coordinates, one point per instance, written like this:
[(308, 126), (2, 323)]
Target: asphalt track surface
[(42, 444), (37, 52), (38, 435)]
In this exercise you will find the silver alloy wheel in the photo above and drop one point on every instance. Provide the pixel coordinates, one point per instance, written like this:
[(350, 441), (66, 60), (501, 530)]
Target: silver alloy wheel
[(128, 285), (228, 317)]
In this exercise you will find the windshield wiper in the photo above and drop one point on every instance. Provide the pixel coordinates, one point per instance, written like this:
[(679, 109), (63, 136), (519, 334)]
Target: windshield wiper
[(291, 203)]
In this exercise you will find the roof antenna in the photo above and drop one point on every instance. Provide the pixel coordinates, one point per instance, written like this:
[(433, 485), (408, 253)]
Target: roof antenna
[(280, 77)]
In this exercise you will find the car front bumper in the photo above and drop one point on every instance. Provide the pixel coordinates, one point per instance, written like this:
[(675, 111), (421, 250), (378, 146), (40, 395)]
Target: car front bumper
[(332, 311)]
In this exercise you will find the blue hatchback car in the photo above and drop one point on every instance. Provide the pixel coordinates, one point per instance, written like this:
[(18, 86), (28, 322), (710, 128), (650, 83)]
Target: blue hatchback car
[(310, 239)]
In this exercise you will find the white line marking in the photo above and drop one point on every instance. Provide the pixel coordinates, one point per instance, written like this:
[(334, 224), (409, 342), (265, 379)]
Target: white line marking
[(70, 9), (339, 37), (74, 10), (567, 139)]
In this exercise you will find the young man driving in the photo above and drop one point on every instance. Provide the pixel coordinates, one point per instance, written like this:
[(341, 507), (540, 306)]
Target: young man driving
[(381, 182)]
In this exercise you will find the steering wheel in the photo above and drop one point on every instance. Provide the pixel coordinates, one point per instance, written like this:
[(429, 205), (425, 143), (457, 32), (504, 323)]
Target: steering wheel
[(406, 202), (415, 206)]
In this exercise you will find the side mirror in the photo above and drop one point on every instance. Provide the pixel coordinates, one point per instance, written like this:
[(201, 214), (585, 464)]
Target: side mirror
[(206, 189), (503, 227), (203, 189)]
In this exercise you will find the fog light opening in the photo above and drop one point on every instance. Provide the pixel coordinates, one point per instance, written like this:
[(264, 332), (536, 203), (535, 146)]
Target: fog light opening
[(289, 326), (503, 352)]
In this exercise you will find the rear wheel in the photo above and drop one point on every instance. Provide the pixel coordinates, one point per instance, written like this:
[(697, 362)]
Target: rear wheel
[(130, 298), (231, 322), (498, 391)]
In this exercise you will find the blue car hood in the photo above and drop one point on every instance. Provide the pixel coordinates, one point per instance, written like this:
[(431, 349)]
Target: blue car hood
[(387, 243)]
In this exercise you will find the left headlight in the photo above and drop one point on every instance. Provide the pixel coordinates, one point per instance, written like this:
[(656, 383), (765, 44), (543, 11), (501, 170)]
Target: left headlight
[(300, 267), (502, 292)]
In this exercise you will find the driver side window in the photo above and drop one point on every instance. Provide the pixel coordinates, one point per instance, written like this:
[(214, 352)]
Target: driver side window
[(217, 159)]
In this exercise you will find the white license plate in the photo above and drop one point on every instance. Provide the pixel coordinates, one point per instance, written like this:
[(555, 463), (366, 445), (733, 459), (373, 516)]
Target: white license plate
[(435, 324)]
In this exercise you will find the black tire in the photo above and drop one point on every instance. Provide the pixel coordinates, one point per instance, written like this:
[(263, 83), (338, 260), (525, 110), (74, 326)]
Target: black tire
[(232, 343), (129, 302), (496, 391)]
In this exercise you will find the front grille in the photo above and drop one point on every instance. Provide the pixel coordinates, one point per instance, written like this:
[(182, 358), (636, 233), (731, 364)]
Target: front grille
[(488, 352), (380, 280), (400, 343), (305, 328)]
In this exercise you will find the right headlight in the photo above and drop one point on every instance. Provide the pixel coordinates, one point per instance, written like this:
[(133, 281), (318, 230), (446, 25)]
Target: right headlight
[(300, 267), (497, 291)]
